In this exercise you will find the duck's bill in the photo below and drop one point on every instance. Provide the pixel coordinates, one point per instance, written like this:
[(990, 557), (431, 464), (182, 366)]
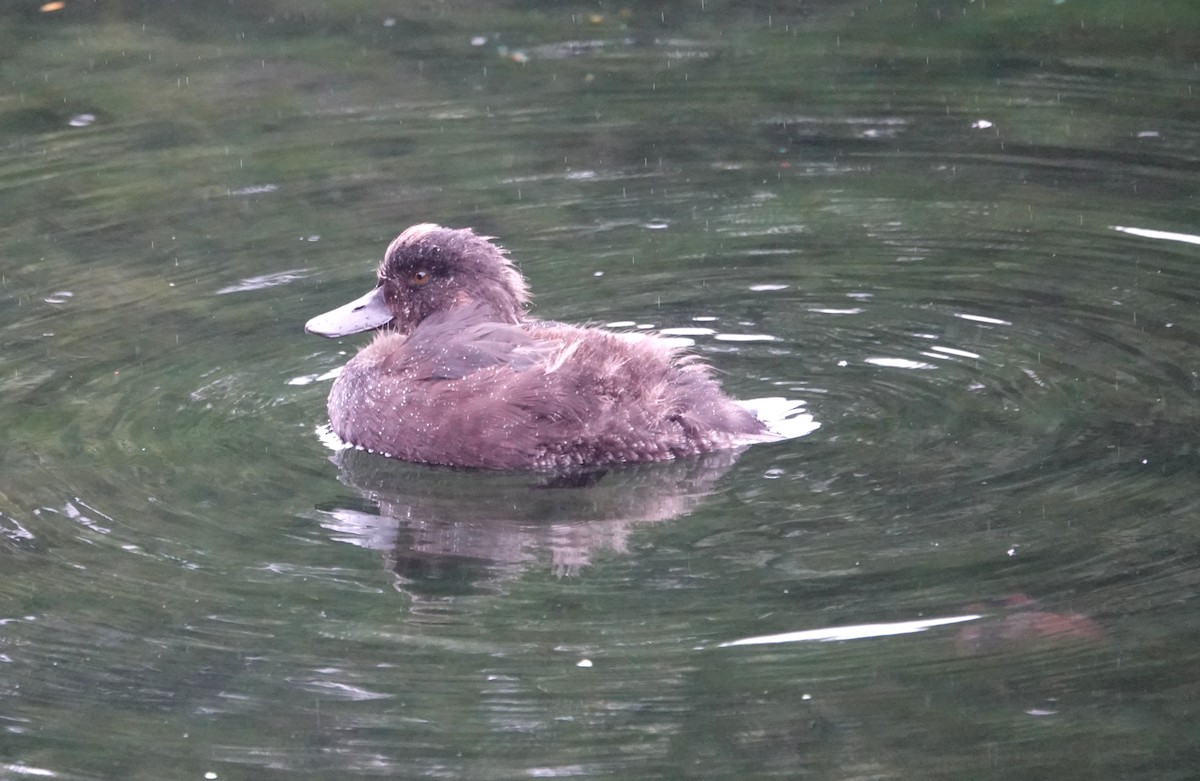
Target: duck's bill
[(361, 314)]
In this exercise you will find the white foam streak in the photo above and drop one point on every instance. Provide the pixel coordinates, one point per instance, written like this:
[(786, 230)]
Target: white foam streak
[(856, 632), (1146, 233)]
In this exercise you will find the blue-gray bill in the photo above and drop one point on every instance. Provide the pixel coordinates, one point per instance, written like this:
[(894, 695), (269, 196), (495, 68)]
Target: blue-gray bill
[(361, 314)]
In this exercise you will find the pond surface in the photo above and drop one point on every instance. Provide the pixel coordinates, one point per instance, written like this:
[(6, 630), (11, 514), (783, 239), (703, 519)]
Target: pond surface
[(965, 235)]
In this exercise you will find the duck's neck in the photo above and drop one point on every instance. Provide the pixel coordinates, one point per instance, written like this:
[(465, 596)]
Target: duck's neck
[(498, 307)]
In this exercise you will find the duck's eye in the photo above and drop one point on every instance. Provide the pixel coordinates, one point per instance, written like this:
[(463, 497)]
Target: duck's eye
[(421, 277)]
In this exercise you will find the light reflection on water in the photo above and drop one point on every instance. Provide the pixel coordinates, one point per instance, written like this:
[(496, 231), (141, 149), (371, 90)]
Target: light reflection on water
[(978, 276)]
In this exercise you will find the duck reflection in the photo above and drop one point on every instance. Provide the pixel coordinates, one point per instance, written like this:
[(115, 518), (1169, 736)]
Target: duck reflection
[(445, 532)]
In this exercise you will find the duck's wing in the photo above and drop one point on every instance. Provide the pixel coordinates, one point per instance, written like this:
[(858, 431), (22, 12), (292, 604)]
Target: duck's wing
[(453, 345)]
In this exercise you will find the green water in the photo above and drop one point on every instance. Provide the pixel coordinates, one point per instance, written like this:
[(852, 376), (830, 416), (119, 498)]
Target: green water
[(963, 233)]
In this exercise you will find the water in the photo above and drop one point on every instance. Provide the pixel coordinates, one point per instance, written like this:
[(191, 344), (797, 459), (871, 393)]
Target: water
[(964, 236)]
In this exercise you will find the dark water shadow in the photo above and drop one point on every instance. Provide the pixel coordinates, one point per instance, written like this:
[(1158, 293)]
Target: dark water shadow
[(447, 531)]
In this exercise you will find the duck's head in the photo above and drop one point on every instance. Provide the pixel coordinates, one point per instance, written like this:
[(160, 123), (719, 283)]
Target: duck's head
[(430, 269)]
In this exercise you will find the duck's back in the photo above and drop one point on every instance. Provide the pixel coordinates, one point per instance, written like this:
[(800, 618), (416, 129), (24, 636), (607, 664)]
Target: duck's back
[(463, 391)]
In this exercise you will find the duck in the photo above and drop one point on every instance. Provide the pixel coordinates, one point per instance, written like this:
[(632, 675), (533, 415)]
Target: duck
[(459, 374)]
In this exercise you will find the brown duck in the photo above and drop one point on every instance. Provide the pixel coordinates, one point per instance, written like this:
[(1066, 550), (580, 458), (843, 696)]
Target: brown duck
[(460, 375)]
